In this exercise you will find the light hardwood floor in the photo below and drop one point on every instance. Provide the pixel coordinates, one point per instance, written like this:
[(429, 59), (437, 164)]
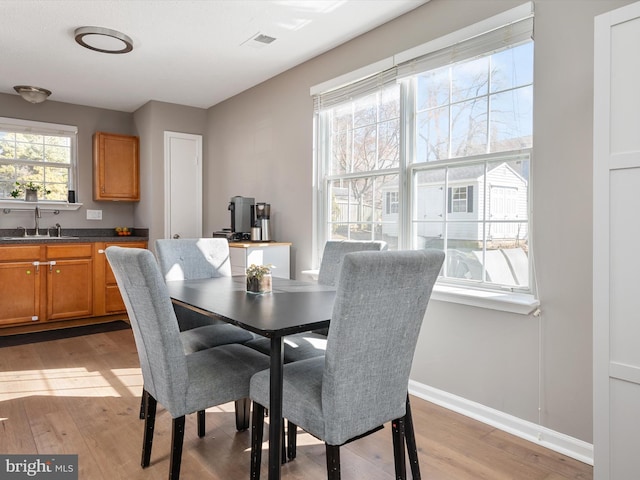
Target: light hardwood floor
[(81, 396)]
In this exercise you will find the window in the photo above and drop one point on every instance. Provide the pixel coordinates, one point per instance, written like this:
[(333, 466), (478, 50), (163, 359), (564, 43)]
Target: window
[(363, 165), (435, 152), (37, 152)]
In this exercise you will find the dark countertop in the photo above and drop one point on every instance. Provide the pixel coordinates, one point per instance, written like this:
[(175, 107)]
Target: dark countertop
[(84, 235)]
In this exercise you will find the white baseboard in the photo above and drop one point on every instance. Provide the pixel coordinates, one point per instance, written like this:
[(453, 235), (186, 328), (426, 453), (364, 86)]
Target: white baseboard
[(556, 441)]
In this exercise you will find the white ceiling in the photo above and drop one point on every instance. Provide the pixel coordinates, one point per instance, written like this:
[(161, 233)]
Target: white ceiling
[(189, 52)]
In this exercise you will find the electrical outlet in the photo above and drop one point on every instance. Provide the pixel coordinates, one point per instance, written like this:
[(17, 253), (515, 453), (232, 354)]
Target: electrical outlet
[(94, 214)]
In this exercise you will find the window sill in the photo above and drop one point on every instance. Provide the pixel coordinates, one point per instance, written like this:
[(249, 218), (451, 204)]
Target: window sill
[(8, 205), (520, 303)]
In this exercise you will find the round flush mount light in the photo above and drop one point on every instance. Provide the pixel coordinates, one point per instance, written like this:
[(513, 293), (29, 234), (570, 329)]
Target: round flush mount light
[(32, 94), (103, 40)]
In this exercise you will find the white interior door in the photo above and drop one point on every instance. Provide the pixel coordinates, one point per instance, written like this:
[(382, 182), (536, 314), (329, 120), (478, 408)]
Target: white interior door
[(183, 185), (616, 303)]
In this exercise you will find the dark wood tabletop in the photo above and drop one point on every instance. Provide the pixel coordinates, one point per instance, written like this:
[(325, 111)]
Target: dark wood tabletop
[(291, 307)]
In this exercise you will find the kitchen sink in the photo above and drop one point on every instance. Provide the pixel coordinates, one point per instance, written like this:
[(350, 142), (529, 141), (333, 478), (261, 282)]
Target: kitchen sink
[(38, 237)]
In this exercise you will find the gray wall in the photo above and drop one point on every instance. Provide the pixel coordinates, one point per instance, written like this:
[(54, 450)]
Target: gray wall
[(260, 144), (151, 121), (88, 120)]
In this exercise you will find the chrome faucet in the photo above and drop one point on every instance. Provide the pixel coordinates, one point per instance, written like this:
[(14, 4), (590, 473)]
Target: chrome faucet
[(38, 215)]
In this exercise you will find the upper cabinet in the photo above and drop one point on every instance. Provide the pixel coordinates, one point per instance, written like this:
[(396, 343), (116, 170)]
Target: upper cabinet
[(116, 167)]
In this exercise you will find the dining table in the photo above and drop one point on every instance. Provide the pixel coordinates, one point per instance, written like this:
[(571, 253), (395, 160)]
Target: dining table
[(291, 307)]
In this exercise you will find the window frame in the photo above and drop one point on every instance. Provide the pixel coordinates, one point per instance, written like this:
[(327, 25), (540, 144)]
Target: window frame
[(486, 295), (13, 125)]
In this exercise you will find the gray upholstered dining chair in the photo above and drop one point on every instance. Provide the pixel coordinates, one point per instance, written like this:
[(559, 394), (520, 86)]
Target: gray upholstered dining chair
[(334, 252), (361, 382), (312, 344), (301, 346), (194, 258), (182, 383)]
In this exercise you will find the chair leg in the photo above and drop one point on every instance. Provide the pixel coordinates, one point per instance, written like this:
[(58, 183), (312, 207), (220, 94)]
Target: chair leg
[(201, 427), (333, 461), (177, 438), (243, 413), (292, 438), (257, 434), (412, 448), (283, 448), (397, 430), (142, 406), (150, 405)]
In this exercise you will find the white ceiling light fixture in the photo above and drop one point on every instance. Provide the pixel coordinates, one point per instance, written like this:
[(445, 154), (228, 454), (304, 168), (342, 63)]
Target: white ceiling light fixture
[(103, 40), (32, 94)]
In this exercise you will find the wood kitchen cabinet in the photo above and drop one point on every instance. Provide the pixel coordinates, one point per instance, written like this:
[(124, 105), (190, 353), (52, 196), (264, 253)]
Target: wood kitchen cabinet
[(116, 167), (69, 281), (108, 300), (44, 283), (21, 280)]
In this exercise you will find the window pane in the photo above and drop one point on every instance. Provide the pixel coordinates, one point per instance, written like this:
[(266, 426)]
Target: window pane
[(358, 208), (388, 146), (365, 134), (340, 153), (365, 143), (429, 195), (508, 194), (512, 120), (470, 79), (389, 103), (512, 68), (7, 148), (57, 180), (365, 111), (433, 88), (460, 262), (505, 265), (432, 135), (469, 128)]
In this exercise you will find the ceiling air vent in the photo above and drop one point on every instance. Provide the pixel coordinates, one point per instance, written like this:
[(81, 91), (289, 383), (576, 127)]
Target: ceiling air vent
[(266, 39), (259, 40)]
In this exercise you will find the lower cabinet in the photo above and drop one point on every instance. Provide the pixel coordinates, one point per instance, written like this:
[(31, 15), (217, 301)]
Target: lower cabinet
[(21, 280), (43, 284), (69, 270), (108, 299)]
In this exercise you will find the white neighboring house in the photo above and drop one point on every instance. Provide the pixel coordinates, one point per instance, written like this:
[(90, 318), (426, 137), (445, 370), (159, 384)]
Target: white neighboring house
[(504, 190)]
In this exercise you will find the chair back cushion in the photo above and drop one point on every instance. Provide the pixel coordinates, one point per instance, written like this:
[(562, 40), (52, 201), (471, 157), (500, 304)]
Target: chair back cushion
[(380, 305), (154, 324), (192, 258), (334, 252)]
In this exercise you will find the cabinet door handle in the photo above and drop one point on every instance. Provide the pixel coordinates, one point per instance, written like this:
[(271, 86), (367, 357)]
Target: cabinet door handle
[(51, 264), (100, 250)]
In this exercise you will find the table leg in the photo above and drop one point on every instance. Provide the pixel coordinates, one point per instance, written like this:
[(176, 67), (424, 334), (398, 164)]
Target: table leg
[(275, 407)]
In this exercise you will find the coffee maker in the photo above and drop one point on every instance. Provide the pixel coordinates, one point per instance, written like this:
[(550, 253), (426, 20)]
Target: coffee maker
[(263, 214), (241, 209)]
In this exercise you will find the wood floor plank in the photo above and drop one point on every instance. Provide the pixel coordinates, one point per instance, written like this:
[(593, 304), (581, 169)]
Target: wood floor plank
[(81, 395)]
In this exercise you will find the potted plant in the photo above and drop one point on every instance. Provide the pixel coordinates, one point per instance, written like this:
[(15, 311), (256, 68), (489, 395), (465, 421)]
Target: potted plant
[(30, 190), (259, 278)]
